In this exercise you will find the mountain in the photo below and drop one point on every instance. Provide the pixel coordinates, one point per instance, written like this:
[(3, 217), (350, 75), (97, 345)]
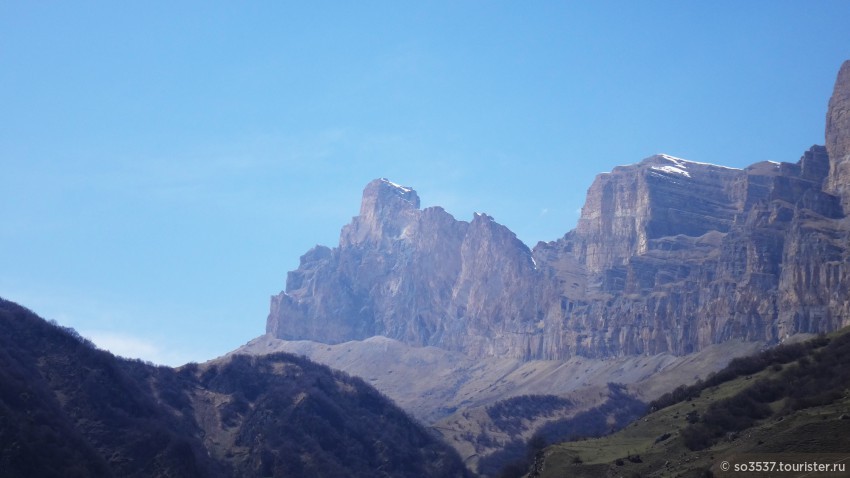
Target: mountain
[(675, 268), (418, 276), (669, 256), (70, 410)]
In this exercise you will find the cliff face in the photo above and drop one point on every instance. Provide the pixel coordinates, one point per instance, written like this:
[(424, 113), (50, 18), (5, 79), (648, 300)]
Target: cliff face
[(416, 275), (669, 256), (707, 254), (838, 136), (632, 205)]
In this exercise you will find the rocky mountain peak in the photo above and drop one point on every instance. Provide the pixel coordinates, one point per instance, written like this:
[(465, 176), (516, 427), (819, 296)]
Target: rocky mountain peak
[(838, 137), (381, 194), (482, 218), (386, 210)]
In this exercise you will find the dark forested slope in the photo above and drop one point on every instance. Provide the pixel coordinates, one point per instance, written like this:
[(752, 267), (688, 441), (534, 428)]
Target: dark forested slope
[(68, 409)]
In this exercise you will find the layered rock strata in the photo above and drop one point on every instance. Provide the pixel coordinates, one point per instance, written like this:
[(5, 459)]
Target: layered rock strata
[(669, 255), (416, 275), (707, 255)]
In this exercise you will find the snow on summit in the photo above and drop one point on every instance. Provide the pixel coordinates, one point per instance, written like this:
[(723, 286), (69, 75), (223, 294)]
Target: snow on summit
[(397, 186)]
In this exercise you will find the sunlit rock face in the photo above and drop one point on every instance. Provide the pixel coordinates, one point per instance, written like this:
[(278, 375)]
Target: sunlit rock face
[(685, 255), (420, 276), (659, 197), (669, 255)]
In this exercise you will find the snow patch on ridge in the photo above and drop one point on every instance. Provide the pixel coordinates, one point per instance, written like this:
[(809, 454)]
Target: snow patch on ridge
[(680, 166), (672, 169), (397, 186), (683, 163)]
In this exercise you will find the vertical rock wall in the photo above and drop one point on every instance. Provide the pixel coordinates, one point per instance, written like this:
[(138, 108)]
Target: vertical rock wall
[(669, 256), (838, 137)]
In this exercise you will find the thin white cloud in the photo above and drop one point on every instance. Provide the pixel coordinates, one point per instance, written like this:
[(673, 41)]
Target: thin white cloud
[(128, 346)]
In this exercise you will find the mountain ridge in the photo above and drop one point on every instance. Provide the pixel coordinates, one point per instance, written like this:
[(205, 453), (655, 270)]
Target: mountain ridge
[(68, 409), (425, 278), (669, 255), (671, 260)]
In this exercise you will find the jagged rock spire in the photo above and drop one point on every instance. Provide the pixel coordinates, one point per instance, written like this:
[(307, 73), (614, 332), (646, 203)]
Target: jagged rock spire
[(386, 210)]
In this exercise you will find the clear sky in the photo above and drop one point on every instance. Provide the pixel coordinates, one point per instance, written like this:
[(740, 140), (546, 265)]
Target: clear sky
[(164, 164)]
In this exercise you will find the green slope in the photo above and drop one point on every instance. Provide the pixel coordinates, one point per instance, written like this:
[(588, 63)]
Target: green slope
[(787, 400)]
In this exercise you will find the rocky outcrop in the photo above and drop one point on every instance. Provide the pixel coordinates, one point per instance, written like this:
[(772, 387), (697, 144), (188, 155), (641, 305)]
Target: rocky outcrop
[(669, 255), (838, 136)]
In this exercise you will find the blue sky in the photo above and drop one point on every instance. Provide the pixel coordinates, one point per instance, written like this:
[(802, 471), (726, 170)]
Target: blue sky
[(165, 164)]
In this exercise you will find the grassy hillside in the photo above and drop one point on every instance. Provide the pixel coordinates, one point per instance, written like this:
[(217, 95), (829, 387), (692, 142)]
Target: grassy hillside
[(790, 399), (516, 417)]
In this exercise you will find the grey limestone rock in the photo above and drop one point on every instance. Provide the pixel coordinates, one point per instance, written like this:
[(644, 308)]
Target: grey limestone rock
[(669, 255)]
